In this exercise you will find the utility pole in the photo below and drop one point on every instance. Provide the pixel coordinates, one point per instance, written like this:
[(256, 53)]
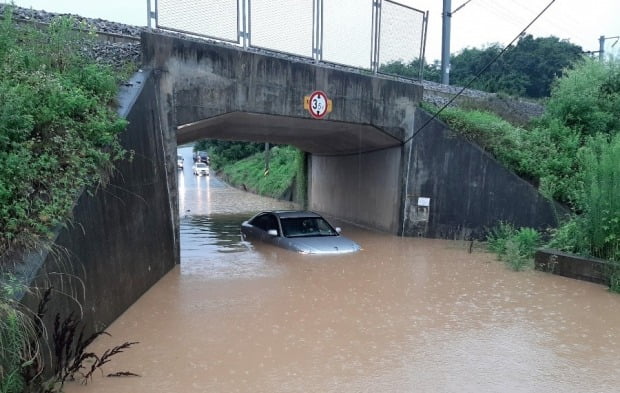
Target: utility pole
[(601, 45), (445, 42), (445, 38)]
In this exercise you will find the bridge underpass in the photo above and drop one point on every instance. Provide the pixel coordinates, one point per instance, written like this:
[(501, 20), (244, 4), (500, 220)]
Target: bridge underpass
[(356, 169), (364, 168)]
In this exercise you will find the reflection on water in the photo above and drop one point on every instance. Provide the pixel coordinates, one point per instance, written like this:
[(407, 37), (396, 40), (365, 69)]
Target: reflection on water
[(404, 315)]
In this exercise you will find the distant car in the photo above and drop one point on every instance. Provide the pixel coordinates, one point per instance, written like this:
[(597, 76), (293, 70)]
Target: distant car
[(201, 156), (180, 161), (200, 168), (301, 231)]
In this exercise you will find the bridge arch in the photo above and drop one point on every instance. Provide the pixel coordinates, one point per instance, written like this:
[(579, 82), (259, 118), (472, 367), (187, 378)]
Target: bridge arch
[(218, 91)]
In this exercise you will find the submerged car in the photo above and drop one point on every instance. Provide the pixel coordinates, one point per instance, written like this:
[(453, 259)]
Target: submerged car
[(301, 231), (180, 161), (200, 168)]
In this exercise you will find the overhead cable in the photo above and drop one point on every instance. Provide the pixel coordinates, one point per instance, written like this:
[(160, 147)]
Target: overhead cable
[(479, 73)]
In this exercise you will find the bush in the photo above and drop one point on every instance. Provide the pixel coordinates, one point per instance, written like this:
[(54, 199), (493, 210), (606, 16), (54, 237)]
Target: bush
[(587, 98), (498, 236), (58, 129), (515, 247)]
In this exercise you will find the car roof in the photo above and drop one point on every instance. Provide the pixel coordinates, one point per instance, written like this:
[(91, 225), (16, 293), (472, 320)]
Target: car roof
[(293, 213)]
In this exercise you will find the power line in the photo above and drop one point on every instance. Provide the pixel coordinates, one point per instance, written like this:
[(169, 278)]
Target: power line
[(479, 73)]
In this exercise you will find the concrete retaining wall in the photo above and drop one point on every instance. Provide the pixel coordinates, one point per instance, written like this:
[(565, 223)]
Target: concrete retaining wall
[(468, 190), (362, 188), (121, 240), (572, 266)]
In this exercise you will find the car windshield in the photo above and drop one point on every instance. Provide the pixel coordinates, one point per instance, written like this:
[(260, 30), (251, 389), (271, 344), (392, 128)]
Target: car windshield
[(201, 165), (306, 227)]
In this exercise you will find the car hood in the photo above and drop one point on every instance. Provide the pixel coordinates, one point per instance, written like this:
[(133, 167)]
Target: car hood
[(324, 245)]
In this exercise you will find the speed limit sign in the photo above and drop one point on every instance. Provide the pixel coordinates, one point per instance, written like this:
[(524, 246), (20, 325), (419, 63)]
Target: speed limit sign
[(318, 104)]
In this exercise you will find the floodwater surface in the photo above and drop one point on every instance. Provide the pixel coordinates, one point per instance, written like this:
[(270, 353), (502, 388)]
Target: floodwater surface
[(403, 315)]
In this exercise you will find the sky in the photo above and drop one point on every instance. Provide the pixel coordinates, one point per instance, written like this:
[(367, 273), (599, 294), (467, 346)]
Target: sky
[(478, 23)]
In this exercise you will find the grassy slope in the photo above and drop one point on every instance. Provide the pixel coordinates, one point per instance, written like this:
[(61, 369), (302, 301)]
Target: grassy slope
[(250, 172)]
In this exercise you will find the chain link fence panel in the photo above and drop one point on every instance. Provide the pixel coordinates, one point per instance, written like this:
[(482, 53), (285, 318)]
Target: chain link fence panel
[(363, 34), (282, 25), (402, 34), (347, 32), (217, 19)]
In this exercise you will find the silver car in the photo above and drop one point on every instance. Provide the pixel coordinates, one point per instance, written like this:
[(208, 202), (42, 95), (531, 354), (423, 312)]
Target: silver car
[(301, 231)]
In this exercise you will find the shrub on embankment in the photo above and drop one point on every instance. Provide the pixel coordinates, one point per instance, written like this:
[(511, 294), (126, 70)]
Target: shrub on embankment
[(570, 153), (58, 128), (285, 176), (58, 137)]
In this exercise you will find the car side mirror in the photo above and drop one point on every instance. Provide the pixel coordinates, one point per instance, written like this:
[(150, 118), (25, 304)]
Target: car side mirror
[(272, 232), (338, 229)]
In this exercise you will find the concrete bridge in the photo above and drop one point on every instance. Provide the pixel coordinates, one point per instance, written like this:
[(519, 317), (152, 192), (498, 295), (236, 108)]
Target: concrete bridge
[(370, 162), (363, 165)]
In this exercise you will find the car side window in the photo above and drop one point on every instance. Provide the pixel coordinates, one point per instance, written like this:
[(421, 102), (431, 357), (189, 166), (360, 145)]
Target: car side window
[(259, 222), (266, 222), (272, 223)]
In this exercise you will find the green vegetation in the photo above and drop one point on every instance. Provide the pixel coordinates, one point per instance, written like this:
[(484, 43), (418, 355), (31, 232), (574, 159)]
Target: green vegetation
[(515, 247), (58, 128), (250, 173), (16, 331), (243, 164), (430, 72), (596, 230), (223, 153), (572, 153), (58, 137), (548, 152), (528, 68)]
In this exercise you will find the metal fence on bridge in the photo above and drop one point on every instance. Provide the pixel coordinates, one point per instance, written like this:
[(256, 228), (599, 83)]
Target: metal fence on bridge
[(366, 34)]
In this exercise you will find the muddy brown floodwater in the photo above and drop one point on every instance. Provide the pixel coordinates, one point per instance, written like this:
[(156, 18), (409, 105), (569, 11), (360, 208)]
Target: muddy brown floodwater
[(404, 315)]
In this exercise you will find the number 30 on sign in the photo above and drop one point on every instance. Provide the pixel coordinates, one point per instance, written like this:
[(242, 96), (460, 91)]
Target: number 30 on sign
[(318, 104)]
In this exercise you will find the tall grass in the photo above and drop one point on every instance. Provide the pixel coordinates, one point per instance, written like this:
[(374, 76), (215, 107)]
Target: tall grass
[(18, 332), (601, 199), (515, 247)]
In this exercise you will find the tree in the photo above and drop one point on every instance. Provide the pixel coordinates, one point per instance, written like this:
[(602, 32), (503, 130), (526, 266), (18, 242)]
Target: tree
[(225, 152), (587, 98), (525, 69), (541, 61), (431, 72)]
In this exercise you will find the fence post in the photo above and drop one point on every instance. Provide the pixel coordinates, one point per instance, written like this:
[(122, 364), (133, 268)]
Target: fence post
[(150, 14), (317, 26), (423, 47), (376, 35)]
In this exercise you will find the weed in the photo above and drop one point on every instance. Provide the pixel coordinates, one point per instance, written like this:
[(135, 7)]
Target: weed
[(498, 236), (515, 247), (73, 362), (18, 329)]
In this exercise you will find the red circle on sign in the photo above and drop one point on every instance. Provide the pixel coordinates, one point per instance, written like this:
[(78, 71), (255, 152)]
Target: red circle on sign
[(318, 104)]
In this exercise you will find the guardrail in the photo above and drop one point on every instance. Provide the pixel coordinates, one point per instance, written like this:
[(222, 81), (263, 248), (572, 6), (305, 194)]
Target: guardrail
[(330, 31)]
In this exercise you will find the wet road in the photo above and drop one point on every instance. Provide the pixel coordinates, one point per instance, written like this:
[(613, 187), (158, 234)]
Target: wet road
[(404, 315)]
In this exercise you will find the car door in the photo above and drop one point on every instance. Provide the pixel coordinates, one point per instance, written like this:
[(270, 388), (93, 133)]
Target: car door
[(271, 222)]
